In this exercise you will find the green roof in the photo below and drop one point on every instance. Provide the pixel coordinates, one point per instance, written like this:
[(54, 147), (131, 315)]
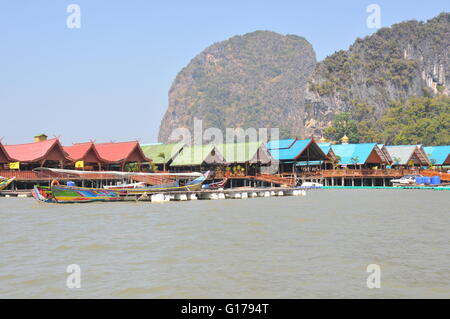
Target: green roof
[(194, 155), (154, 152), (239, 152)]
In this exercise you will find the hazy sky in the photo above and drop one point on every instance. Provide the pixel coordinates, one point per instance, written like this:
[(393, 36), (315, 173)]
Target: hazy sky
[(109, 79)]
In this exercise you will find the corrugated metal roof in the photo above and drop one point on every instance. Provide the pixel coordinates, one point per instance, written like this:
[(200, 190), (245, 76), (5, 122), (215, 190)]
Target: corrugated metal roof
[(325, 147), (438, 153), (4, 156), (33, 152), (286, 154), (401, 153), (196, 155), (278, 144), (121, 151), (349, 151), (241, 152), (154, 151), (78, 151)]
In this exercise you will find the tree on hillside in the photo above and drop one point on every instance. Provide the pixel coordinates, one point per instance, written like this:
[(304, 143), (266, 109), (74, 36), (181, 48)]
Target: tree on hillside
[(342, 125)]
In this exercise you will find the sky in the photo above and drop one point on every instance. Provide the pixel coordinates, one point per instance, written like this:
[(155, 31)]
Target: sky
[(109, 79)]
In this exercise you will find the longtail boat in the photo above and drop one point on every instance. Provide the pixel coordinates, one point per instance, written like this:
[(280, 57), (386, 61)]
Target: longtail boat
[(43, 194), (217, 185), (57, 193), (63, 194), (176, 186), (4, 182), (74, 194)]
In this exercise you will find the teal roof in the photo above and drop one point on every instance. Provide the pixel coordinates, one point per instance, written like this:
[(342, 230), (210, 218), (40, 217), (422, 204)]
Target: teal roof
[(348, 151), (286, 154), (438, 153), (325, 147), (310, 163), (278, 144)]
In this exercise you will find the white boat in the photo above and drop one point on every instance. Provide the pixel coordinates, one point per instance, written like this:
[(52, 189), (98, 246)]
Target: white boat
[(405, 180), (311, 185)]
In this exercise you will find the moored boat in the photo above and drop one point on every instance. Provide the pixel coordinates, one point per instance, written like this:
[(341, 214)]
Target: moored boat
[(57, 193), (217, 185), (4, 182), (74, 194), (43, 194), (176, 186)]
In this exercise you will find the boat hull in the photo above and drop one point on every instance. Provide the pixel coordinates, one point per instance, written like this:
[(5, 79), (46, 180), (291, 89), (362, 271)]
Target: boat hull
[(191, 186), (72, 194), (5, 183), (43, 194)]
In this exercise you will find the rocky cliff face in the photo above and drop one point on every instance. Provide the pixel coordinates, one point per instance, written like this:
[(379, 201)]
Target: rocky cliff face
[(255, 80), (409, 59), (264, 79)]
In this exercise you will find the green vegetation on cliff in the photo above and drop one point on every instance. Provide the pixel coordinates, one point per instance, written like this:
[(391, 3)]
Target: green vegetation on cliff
[(417, 120)]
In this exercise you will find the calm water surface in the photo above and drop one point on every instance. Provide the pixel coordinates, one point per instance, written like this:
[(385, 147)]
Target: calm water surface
[(291, 247)]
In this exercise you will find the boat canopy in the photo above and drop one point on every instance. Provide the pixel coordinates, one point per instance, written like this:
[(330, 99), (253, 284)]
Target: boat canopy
[(113, 173)]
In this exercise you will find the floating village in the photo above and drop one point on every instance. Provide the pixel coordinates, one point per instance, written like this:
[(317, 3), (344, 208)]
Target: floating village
[(120, 171)]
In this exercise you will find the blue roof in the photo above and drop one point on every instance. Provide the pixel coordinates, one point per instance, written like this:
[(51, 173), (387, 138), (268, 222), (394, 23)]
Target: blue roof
[(348, 151), (277, 144), (325, 147), (310, 163), (438, 153), (291, 153)]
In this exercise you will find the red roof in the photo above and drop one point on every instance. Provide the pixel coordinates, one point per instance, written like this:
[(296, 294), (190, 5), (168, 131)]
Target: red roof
[(83, 152), (34, 152), (4, 156), (121, 152)]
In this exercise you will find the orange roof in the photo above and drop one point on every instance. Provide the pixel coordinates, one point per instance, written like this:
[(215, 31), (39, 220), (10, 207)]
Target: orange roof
[(4, 156), (121, 152), (33, 152), (83, 151)]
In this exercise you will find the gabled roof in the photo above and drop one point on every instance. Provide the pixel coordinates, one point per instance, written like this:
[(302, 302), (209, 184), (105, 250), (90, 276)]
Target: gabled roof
[(278, 144), (246, 152), (121, 152), (154, 151), (197, 155), (383, 148), (363, 152), (300, 150), (37, 151), (327, 149), (404, 153), (4, 156), (440, 154), (83, 152)]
